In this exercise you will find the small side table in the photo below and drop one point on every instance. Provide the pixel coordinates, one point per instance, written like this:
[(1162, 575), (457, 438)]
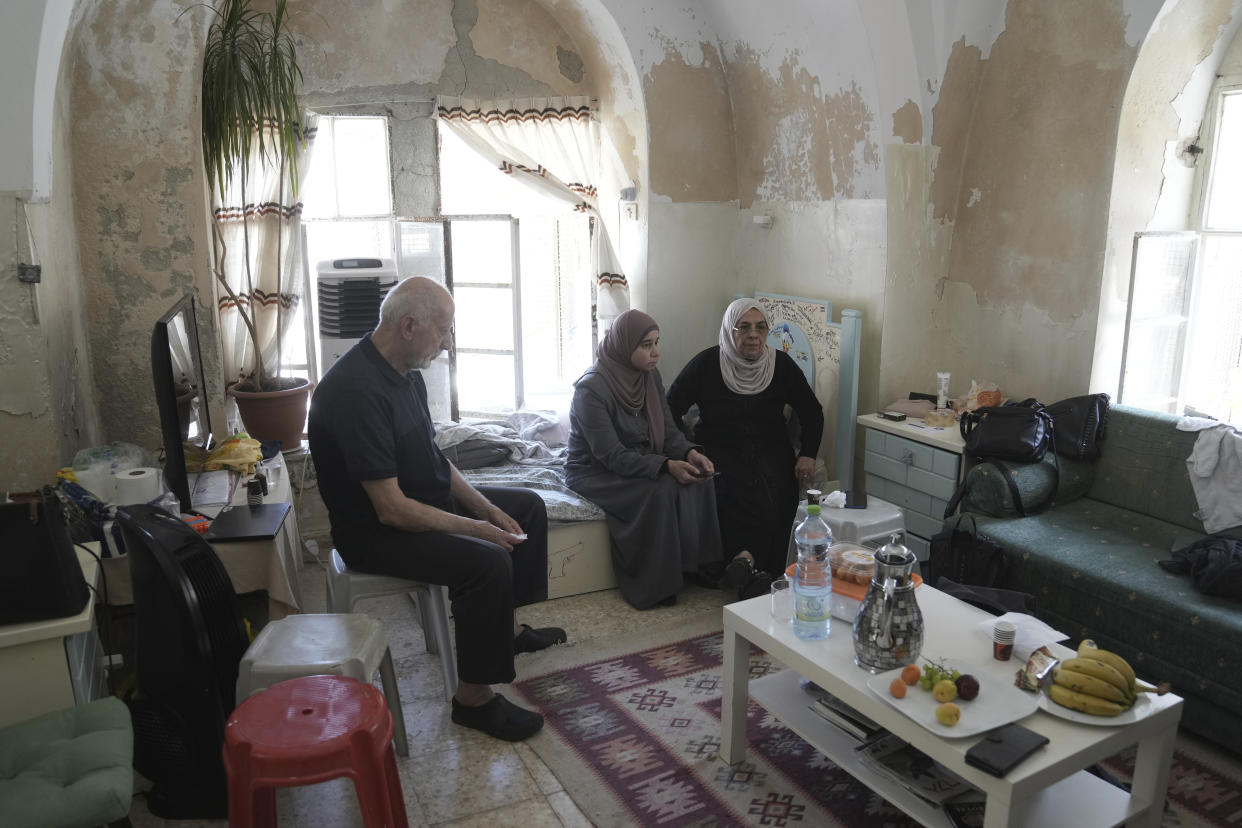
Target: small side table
[(915, 467)]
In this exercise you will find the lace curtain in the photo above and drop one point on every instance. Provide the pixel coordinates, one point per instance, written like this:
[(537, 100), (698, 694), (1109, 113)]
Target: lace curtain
[(258, 221), (552, 145)]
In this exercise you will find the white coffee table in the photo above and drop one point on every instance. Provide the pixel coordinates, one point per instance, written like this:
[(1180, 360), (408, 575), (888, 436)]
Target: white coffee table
[(1048, 788)]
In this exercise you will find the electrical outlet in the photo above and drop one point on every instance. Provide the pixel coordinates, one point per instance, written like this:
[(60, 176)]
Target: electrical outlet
[(631, 210)]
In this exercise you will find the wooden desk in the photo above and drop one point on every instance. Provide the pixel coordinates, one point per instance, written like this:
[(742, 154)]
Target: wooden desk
[(54, 664), (272, 565)]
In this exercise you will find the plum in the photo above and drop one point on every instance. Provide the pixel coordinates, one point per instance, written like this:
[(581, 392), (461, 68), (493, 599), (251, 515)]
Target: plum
[(967, 687)]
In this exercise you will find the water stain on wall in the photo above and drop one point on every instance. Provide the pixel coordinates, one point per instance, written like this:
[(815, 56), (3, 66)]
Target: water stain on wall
[(1031, 201), (794, 141), (691, 139)]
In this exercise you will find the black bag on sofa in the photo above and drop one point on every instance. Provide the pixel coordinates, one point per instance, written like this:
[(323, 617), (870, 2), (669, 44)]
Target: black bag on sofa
[(1020, 433), (964, 557), (42, 577), (1079, 424)]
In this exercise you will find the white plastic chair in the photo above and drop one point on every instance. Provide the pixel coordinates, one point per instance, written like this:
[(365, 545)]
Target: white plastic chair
[(312, 644), (346, 588)]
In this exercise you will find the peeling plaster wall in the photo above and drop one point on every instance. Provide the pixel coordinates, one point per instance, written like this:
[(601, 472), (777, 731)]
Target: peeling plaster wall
[(137, 165), (1024, 134), (47, 398), (139, 191)]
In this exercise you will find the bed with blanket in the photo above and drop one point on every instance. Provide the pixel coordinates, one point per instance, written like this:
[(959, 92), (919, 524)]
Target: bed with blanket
[(527, 449)]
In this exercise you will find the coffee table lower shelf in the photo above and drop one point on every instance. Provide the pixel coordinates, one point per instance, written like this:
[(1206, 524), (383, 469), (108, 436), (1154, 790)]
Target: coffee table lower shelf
[(1081, 799)]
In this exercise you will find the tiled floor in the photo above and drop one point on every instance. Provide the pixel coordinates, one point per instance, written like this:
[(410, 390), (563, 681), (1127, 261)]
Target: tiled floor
[(456, 776)]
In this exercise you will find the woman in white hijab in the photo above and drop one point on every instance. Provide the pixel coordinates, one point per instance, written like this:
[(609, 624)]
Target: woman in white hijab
[(742, 387)]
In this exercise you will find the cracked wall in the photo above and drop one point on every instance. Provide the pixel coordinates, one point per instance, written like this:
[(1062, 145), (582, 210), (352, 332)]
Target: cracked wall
[(1010, 249), (141, 198)]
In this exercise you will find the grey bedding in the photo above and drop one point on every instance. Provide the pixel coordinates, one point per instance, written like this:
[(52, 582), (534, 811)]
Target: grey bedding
[(531, 462)]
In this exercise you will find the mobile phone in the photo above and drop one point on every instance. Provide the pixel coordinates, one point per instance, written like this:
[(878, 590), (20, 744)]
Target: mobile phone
[(896, 416)]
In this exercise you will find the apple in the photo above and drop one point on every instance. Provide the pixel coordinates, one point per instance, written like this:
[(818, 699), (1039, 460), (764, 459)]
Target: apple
[(948, 714)]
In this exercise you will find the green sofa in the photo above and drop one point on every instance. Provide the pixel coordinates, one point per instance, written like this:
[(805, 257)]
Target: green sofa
[(1090, 558)]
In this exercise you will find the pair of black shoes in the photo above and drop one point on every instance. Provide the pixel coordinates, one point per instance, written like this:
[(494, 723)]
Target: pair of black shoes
[(740, 574)]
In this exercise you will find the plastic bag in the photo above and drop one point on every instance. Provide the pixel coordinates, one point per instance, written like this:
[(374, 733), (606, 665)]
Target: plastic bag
[(240, 454), (94, 468)]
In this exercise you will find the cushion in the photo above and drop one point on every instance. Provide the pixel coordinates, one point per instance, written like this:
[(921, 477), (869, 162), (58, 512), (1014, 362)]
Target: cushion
[(476, 454), (1142, 466), (68, 767), (987, 493)]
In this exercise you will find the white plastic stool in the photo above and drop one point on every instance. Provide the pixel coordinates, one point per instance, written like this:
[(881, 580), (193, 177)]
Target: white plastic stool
[(348, 644), (871, 526), (347, 587)]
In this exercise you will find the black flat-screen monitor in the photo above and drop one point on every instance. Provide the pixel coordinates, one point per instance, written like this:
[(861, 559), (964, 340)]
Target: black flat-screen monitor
[(180, 393)]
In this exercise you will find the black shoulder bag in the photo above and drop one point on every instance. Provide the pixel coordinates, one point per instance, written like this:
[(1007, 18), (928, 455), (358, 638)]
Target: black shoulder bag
[(964, 557), (1018, 433), (1080, 423), (41, 574)]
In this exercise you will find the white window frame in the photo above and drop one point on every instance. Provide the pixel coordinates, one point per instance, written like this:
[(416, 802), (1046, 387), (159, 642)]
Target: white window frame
[(1195, 244)]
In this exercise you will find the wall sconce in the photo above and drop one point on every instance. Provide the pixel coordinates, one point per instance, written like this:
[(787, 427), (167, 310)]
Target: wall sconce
[(764, 221)]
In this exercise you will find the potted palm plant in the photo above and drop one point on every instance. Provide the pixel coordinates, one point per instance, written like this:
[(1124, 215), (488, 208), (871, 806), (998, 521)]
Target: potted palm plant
[(252, 126)]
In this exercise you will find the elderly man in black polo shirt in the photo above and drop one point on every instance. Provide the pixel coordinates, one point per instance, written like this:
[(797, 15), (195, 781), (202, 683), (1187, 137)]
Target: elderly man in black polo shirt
[(399, 507)]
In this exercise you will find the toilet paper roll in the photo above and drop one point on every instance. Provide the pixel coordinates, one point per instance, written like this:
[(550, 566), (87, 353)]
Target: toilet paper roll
[(136, 485)]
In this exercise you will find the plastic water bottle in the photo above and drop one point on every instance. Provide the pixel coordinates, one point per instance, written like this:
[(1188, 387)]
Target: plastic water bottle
[(812, 585)]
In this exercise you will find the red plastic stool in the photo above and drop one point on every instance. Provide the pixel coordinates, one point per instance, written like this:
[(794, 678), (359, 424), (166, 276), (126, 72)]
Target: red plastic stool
[(307, 730)]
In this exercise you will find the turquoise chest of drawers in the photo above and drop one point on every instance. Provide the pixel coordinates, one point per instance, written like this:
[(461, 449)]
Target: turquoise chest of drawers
[(915, 469)]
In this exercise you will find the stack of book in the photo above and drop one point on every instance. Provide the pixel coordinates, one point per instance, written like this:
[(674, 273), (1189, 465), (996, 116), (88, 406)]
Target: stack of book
[(838, 713)]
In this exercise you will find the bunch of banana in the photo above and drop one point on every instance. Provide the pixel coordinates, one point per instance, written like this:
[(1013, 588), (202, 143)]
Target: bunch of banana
[(1098, 682)]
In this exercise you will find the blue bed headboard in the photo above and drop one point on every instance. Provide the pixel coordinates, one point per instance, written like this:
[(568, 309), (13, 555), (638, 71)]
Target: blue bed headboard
[(828, 354)]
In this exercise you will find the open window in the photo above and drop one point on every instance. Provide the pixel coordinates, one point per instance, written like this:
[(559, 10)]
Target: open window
[(1183, 345)]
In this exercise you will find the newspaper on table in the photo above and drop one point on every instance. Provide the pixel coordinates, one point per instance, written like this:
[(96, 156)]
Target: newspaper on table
[(917, 772)]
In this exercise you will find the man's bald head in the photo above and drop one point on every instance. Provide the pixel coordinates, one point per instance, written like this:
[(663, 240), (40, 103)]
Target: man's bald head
[(419, 297)]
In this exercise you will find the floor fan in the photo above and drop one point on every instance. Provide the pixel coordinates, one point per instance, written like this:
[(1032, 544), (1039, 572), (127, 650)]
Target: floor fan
[(190, 640)]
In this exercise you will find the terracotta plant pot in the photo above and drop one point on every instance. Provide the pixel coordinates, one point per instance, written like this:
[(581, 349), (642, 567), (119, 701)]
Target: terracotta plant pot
[(274, 415)]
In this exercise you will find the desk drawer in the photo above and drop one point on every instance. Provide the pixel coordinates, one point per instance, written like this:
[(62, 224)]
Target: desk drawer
[(912, 464), (918, 478)]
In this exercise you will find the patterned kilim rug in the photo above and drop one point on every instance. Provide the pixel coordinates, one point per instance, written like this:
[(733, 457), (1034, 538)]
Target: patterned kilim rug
[(633, 732)]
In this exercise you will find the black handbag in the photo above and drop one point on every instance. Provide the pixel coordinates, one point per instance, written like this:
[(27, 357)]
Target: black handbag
[(964, 557), (41, 574), (1079, 424), (1018, 433)]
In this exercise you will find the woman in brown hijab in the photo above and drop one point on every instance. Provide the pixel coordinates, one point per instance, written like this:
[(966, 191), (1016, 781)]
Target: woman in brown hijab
[(627, 455)]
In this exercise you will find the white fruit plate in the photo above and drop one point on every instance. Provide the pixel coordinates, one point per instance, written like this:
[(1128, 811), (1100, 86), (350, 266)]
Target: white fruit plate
[(1141, 709), (999, 702)]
